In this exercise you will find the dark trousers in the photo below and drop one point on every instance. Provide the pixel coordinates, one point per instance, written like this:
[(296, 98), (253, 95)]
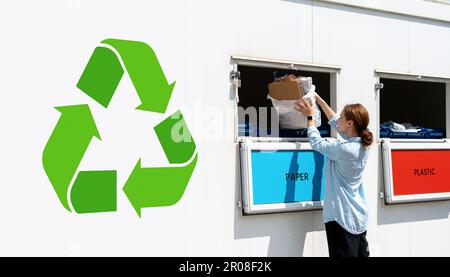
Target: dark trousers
[(341, 243)]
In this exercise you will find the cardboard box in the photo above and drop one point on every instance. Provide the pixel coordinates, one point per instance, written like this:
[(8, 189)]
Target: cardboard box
[(286, 90)]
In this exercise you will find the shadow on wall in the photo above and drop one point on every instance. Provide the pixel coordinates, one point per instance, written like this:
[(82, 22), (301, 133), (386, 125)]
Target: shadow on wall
[(290, 184), (407, 212), (317, 178), (287, 231)]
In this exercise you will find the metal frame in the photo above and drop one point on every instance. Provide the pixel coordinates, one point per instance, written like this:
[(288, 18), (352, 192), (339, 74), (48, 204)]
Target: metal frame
[(247, 180), (333, 70), (421, 144), (387, 145), (412, 77)]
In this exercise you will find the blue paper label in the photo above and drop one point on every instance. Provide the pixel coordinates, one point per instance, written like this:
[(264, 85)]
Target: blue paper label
[(287, 176)]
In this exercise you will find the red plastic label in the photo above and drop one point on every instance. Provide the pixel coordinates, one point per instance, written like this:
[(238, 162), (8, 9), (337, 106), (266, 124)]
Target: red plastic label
[(420, 171)]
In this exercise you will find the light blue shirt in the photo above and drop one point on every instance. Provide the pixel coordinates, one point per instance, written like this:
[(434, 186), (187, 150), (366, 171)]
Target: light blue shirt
[(344, 197)]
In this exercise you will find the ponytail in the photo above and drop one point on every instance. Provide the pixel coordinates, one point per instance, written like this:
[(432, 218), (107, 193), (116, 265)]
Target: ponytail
[(366, 137)]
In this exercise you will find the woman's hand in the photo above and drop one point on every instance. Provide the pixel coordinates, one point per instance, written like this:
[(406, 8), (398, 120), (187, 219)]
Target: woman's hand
[(305, 107), (319, 100), (325, 108)]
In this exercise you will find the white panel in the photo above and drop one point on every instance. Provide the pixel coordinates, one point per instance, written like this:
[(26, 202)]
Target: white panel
[(362, 39), (287, 234), (320, 236), (371, 181), (393, 240), (430, 229), (429, 48), (263, 28)]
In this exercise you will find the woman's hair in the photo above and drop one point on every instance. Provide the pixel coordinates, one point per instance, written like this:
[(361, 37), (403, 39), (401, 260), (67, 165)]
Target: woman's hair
[(360, 117)]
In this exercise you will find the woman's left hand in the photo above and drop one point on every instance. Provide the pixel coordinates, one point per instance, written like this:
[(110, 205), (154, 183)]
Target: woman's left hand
[(305, 107)]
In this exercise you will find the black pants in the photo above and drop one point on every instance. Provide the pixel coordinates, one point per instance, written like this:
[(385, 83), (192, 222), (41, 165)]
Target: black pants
[(341, 243)]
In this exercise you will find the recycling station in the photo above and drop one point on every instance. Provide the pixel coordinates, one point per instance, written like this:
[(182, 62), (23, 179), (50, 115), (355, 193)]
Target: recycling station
[(148, 128)]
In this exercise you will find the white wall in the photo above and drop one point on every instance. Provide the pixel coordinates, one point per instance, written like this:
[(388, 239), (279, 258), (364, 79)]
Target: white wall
[(45, 48)]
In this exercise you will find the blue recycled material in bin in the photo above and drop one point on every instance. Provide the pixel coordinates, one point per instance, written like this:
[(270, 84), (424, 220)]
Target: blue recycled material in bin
[(301, 133), (424, 133), (247, 129)]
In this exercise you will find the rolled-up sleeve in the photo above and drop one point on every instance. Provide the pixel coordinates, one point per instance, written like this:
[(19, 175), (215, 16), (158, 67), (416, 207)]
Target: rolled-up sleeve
[(331, 149), (333, 121)]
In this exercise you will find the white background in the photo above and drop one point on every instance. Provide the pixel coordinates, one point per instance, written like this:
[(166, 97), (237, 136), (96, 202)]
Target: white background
[(45, 47)]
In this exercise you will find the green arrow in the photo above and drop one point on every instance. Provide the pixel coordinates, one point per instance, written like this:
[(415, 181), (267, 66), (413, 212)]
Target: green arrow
[(103, 73), (66, 147), (145, 72), (164, 186), (175, 138), (101, 76), (158, 186), (94, 192)]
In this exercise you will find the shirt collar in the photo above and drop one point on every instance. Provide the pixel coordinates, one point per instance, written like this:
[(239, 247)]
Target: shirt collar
[(353, 138), (344, 136)]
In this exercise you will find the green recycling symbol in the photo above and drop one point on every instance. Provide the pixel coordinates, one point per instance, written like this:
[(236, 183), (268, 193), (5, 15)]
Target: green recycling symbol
[(96, 191)]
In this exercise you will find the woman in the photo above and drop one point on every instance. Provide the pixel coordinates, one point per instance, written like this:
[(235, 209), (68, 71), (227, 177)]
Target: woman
[(345, 210)]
